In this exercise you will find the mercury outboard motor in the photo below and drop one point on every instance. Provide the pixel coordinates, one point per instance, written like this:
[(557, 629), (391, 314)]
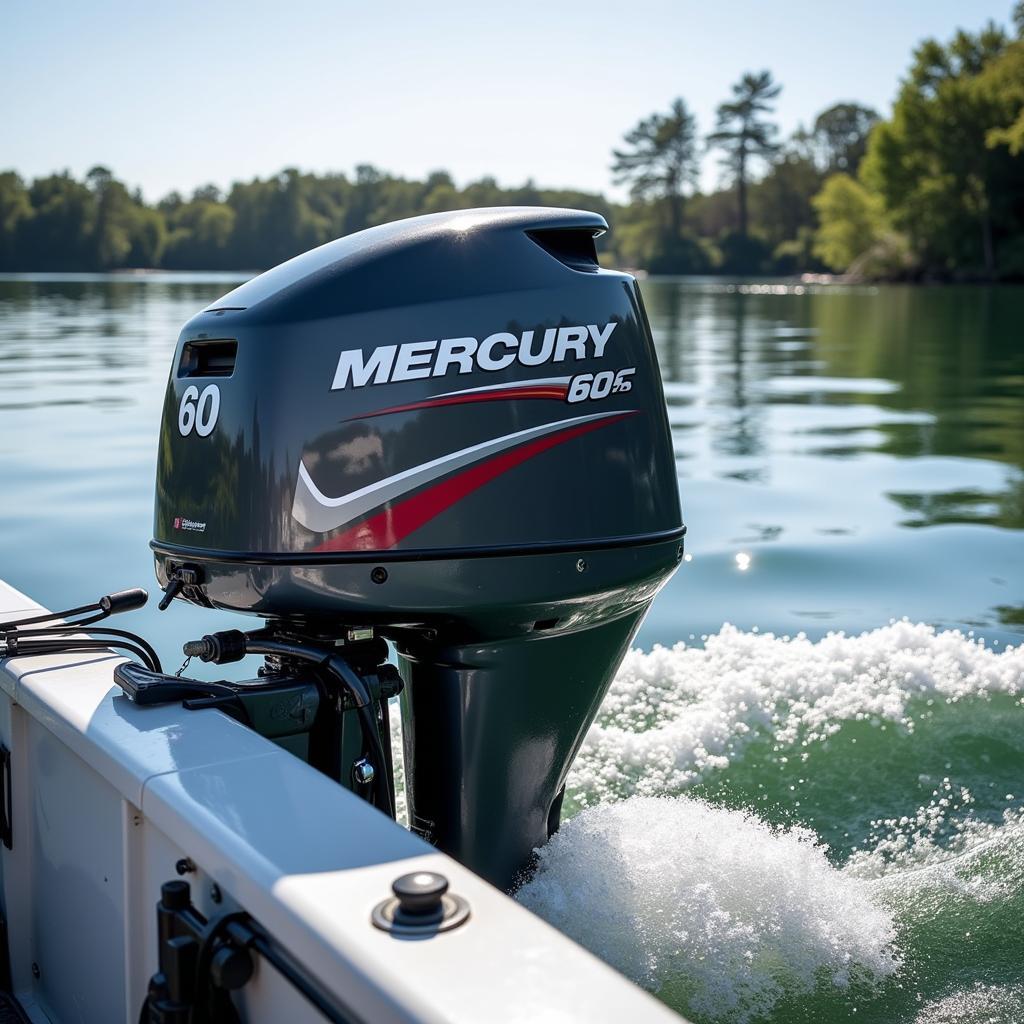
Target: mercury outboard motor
[(448, 432)]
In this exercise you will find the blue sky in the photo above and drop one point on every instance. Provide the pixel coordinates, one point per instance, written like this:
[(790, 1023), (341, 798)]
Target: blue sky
[(174, 95)]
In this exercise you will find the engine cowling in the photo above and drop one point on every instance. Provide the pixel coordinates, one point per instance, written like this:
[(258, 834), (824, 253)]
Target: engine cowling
[(451, 428)]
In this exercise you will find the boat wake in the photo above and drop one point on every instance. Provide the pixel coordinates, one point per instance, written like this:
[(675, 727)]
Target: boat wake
[(769, 827), (719, 912)]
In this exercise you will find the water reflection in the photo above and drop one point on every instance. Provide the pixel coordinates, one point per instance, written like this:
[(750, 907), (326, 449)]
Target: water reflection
[(862, 448), (870, 438)]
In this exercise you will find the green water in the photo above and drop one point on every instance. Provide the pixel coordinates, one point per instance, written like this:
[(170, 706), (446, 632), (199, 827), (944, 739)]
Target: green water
[(847, 457)]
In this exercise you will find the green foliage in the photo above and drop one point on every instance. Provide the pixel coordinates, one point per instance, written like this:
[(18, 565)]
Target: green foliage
[(796, 255), (852, 221), (641, 241), (780, 203), (1003, 78), (15, 209), (60, 224), (841, 133), (944, 165), (59, 233), (744, 255), (855, 235), (200, 231), (125, 233)]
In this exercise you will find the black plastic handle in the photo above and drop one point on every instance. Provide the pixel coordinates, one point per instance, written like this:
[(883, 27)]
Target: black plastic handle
[(123, 601)]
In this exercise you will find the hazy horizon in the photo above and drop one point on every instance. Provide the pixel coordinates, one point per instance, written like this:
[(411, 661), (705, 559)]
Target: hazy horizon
[(541, 92)]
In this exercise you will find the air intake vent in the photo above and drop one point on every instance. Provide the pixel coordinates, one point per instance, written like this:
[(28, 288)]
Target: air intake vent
[(208, 358), (571, 246)]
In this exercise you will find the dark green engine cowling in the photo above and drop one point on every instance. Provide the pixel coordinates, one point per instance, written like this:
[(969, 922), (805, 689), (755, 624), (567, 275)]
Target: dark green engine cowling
[(450, 429)]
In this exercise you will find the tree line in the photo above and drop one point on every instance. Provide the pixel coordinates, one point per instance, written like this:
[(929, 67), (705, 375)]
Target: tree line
[(936, 190), (62, 224)]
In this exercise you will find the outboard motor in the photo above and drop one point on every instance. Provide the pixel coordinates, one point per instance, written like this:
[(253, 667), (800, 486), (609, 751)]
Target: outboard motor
[(448, 432)]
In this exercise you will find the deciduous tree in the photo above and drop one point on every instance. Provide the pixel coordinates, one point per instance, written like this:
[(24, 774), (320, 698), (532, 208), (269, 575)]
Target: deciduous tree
[(945, 164), (841, 134)]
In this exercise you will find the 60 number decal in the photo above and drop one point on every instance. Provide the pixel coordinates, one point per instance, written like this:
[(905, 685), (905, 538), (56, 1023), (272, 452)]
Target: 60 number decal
[(594, 386), (199, 411)]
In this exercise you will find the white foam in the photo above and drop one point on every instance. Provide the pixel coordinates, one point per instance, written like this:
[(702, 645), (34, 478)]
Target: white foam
[(721, 913), (982, 1004), (674, 715), (923, 873), (725, 911)]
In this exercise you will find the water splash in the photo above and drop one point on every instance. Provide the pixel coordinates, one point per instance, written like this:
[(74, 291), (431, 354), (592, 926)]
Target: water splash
[(717, 910), (675, 715), (713, 777)]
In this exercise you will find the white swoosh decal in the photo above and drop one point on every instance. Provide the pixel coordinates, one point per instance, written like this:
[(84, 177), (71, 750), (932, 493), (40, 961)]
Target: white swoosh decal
[(320, 513)]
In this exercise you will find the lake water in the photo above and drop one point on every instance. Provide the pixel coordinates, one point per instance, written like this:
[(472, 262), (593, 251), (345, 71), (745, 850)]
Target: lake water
[(849, 458)]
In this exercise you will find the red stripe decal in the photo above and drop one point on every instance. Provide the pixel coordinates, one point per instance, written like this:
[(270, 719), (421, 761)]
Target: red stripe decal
[(557, 391), (390, 525)]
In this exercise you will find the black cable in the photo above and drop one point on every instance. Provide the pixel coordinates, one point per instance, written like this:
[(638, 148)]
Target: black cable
[(356, 685), (350, 679), (249, 933), (98, 617), (37, 648), (50, 616), (264, 645), (213, 1005), (33, 648), (153, 659)]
